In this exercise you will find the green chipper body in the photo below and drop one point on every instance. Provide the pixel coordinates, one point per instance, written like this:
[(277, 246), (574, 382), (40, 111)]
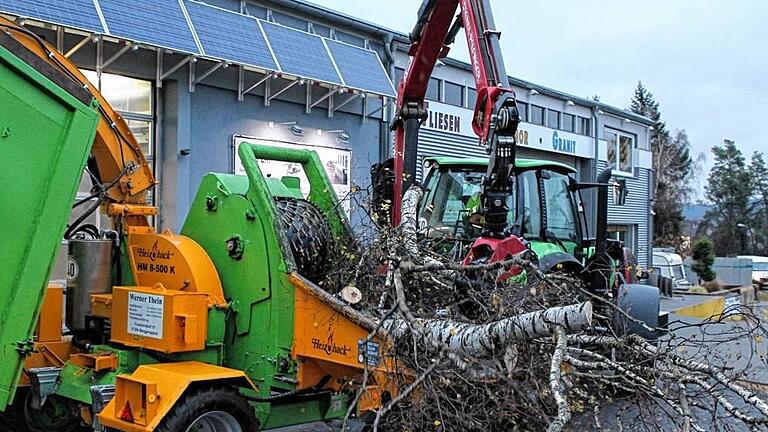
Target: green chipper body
[(242, 297), (46, 133)]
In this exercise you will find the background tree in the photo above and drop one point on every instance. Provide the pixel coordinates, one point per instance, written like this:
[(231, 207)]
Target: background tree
[(759, 172), (673, 165), (703, 254), (729, 188)]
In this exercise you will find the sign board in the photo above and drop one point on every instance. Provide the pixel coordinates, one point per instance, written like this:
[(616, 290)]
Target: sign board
[(72, 269), (449, 119), (145, 315), (458, 121), (555, 141), (368, 352), (337, 163), (732, 305)]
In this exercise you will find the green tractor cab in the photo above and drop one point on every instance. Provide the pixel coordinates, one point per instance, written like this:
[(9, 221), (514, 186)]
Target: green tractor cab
[(545, 209)]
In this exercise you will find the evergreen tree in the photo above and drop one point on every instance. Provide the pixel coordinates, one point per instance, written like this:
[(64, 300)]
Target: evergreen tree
[(759, 172), (673, 165), (703, 254), (729, 188)]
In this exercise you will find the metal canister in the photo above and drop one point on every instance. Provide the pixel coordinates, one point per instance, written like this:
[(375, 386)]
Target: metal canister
[(89, 269)]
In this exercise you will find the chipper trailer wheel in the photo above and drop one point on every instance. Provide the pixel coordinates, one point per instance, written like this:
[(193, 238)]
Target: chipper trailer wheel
[(309, 234), (211, 410)]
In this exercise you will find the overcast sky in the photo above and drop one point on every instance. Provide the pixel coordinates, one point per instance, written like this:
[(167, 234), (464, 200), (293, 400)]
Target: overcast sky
[(706, 61)]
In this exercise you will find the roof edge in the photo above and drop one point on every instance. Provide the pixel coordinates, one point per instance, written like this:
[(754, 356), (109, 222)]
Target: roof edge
[(309, 7)]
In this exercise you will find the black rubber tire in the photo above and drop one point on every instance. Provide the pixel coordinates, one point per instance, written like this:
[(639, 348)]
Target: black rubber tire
[(12, 419), (197, 402), (19, 417), (309, 234)]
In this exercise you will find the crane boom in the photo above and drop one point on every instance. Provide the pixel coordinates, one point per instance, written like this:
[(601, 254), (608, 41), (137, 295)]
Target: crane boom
[(117, 162), (495, 116)]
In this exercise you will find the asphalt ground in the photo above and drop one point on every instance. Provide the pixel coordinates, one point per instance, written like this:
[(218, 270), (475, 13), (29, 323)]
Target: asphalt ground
[(725, 343)]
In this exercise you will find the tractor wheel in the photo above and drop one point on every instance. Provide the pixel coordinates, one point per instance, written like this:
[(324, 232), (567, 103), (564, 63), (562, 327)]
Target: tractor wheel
[(309, 234), (211, 410)]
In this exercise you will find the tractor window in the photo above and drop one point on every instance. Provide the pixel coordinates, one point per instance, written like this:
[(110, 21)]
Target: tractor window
[(453, 195), (529, 213), (561, 218)]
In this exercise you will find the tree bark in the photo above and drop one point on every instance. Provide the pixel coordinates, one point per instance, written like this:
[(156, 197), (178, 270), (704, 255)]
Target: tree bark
[(410, 218), (485, 340)]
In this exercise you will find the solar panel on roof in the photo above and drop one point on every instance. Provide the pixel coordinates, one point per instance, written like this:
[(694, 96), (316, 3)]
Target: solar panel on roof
[(71, 13), (157, 22), (230, 36), (301, 54), (360, 68)]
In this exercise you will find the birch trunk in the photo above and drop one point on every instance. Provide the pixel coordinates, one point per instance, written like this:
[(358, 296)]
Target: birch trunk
[(410, 219), (484, 340)]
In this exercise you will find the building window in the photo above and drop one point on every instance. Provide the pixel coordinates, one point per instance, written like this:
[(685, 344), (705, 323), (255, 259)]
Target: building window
[(454, 94), (585, 126), (433, 89), (568, 122), (290, 21), (399, 72), (553, 119), (522, 108), (471, 98), (623, 233), (132, 98), (348, 38), (126, 95), (537, 115), (320, 30), (620, 149), (255, 11)]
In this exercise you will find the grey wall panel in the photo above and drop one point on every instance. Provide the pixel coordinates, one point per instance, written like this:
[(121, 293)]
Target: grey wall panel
[(215, 118), (433, 143), (636, 211)]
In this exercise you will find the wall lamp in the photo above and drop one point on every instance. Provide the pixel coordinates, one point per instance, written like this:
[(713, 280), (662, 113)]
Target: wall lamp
[(533, 92), (293, 127), (342, 136)]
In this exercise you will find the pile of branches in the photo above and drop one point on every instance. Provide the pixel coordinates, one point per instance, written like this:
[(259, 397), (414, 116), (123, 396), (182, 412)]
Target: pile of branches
[(478, 351)]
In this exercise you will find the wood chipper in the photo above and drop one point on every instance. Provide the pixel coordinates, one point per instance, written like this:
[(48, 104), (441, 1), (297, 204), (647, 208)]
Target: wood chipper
[(219, 328)]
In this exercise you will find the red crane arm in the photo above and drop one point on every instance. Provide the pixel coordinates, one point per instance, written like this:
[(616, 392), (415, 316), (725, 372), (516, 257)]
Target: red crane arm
[(495, 118)]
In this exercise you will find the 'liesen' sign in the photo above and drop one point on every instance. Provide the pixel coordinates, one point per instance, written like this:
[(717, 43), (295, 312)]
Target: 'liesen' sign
[(449, 119), (444, 122)]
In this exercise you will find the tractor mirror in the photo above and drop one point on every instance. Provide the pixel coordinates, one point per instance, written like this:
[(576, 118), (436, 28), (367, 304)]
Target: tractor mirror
[(573, 184), (620, 192)]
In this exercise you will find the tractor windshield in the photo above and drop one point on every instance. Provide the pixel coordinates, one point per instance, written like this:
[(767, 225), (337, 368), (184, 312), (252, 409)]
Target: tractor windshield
[(453, 197), (452, 201)]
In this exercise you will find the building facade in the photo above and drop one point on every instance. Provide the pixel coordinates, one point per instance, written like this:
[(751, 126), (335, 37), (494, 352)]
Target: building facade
[(196, 79)]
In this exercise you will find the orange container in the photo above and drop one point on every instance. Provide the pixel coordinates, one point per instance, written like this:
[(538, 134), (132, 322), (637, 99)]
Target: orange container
[(159, 319)]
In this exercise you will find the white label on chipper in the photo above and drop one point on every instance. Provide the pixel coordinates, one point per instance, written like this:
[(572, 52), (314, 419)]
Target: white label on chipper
[(72, 269), (145, 315)]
